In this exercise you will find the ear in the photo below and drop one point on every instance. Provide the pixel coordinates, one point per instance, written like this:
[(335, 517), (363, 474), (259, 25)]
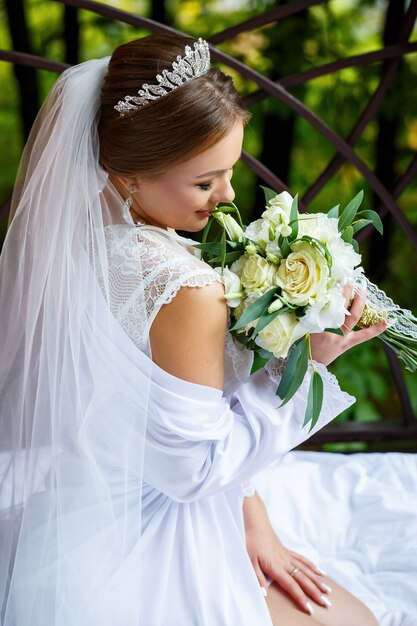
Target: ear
[(128, 181)]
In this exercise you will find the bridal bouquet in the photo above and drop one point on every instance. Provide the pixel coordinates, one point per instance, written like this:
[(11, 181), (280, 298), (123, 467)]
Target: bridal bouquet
[(284, 276)]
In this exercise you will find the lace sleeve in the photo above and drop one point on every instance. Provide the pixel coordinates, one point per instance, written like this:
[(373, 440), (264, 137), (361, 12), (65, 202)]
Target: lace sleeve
[(147, 269)]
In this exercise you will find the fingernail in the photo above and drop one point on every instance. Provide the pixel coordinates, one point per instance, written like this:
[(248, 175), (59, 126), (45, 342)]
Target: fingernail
[(326, 588), (264, 591), (310, 608), (326, 601), (320, 571)]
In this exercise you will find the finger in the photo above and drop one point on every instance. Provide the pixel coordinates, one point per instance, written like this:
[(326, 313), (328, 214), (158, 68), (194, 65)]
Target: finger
[(356, 308), (290, 585), (305, 561), (261, 578), (354, 339), (311, 588)]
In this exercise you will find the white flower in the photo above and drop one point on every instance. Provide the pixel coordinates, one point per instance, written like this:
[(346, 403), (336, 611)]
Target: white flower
[(258, 231), (258, 274), (303, 275), (279, 335), (277, 214), (328, 312), (345, 259), (325, 229), (232, 286), (233, 229)]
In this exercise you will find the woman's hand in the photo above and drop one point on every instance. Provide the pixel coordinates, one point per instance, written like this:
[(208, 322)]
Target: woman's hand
[(271, 559), (326, 347)]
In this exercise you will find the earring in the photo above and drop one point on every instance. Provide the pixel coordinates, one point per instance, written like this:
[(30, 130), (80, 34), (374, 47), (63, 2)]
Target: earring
[(128, 203)]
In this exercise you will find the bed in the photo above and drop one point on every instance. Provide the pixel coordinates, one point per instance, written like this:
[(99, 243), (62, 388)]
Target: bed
[(355, 515)]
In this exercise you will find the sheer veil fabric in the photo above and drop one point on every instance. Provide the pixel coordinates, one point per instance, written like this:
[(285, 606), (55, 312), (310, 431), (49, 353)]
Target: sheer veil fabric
[(70, 481)]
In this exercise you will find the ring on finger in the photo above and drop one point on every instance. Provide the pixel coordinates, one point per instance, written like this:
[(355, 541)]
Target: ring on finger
[(294, 571), (346, 330)]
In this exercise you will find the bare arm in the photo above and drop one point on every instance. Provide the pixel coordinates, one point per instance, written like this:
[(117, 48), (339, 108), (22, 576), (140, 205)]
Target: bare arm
[(188, 335)]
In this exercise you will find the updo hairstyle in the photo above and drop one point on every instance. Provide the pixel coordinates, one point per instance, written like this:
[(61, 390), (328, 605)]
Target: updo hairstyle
[(173, 128)]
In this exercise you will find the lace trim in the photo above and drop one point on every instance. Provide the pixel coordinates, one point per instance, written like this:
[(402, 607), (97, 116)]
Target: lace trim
[(240, 357), (147, 267), (335, 400), (401, 320)]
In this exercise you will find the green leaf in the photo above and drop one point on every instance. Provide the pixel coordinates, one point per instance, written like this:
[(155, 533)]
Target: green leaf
[(255, 309), (334, 211), (355, 245), (347, 234), (284, 245), (265, 319), (223, 248), (374, 218), (210, 248), (228, 258), (269, 193), (294, 219), (350, 211), (294, 371), (336, 331), (359, 224), (314, 400), (259, 361)]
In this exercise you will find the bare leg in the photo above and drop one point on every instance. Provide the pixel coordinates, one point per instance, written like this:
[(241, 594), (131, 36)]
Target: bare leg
[(345, 610)]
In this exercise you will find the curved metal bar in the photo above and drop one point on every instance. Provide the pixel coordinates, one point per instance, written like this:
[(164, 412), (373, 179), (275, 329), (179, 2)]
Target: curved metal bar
[(263, 172), (275, 90), (262, 20), (369, 111), (368, 58), (31, 60)]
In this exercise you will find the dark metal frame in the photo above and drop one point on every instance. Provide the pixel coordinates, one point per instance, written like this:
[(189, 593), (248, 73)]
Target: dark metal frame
[(392, 55)]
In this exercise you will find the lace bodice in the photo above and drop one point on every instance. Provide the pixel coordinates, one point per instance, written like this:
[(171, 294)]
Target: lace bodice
[(147, 267)]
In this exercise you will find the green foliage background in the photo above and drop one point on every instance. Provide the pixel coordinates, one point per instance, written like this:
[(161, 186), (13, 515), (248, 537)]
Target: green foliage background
[(328, 32)]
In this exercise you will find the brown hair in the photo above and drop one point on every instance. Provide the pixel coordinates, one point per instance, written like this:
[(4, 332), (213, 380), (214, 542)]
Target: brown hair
[(175, 127)]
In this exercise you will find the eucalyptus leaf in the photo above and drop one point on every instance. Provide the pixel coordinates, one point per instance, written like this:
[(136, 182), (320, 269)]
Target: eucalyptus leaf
[(347, 234), (359, 224), (294, 219), (349, 213), (334, 211), (335, 331), (314, 400), (255, 309), (374, 218), (297, 367), (269, 193)]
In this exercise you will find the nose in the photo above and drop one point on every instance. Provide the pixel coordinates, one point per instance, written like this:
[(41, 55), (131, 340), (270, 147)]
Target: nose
[(225, 191)]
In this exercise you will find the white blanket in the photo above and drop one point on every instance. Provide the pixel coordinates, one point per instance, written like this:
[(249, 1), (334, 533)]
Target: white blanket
[(356, 517)]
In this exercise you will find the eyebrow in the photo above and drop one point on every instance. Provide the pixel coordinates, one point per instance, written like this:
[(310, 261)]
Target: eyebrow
[(213, 173)]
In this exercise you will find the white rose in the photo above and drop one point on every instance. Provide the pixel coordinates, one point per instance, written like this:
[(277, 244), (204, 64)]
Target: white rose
[(258, 274), (303, 275), (232, 286), (327, 313), (325, 229), (278, 214), (279, 335)]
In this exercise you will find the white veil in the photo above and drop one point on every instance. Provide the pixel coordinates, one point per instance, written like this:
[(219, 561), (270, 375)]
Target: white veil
[(73, 386)]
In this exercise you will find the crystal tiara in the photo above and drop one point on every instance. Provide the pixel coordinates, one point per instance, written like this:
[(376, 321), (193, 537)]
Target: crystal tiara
[(193, 64)]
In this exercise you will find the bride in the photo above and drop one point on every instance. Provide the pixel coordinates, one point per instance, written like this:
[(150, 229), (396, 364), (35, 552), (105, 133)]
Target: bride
[(130, 424)]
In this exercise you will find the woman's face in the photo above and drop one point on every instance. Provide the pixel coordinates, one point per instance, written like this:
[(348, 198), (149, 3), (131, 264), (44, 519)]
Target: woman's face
[(183, 197)]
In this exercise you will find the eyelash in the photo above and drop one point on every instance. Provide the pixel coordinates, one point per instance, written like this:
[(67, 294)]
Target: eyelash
[(206, 186)]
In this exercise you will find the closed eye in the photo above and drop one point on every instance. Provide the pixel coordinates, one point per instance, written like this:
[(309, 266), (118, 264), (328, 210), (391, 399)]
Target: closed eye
[(205, 186)]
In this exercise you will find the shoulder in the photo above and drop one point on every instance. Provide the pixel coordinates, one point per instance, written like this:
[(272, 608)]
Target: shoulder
[(188, 335)]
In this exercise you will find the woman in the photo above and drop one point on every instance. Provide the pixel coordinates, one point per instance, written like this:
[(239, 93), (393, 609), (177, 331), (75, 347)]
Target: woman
[(128, 431)]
